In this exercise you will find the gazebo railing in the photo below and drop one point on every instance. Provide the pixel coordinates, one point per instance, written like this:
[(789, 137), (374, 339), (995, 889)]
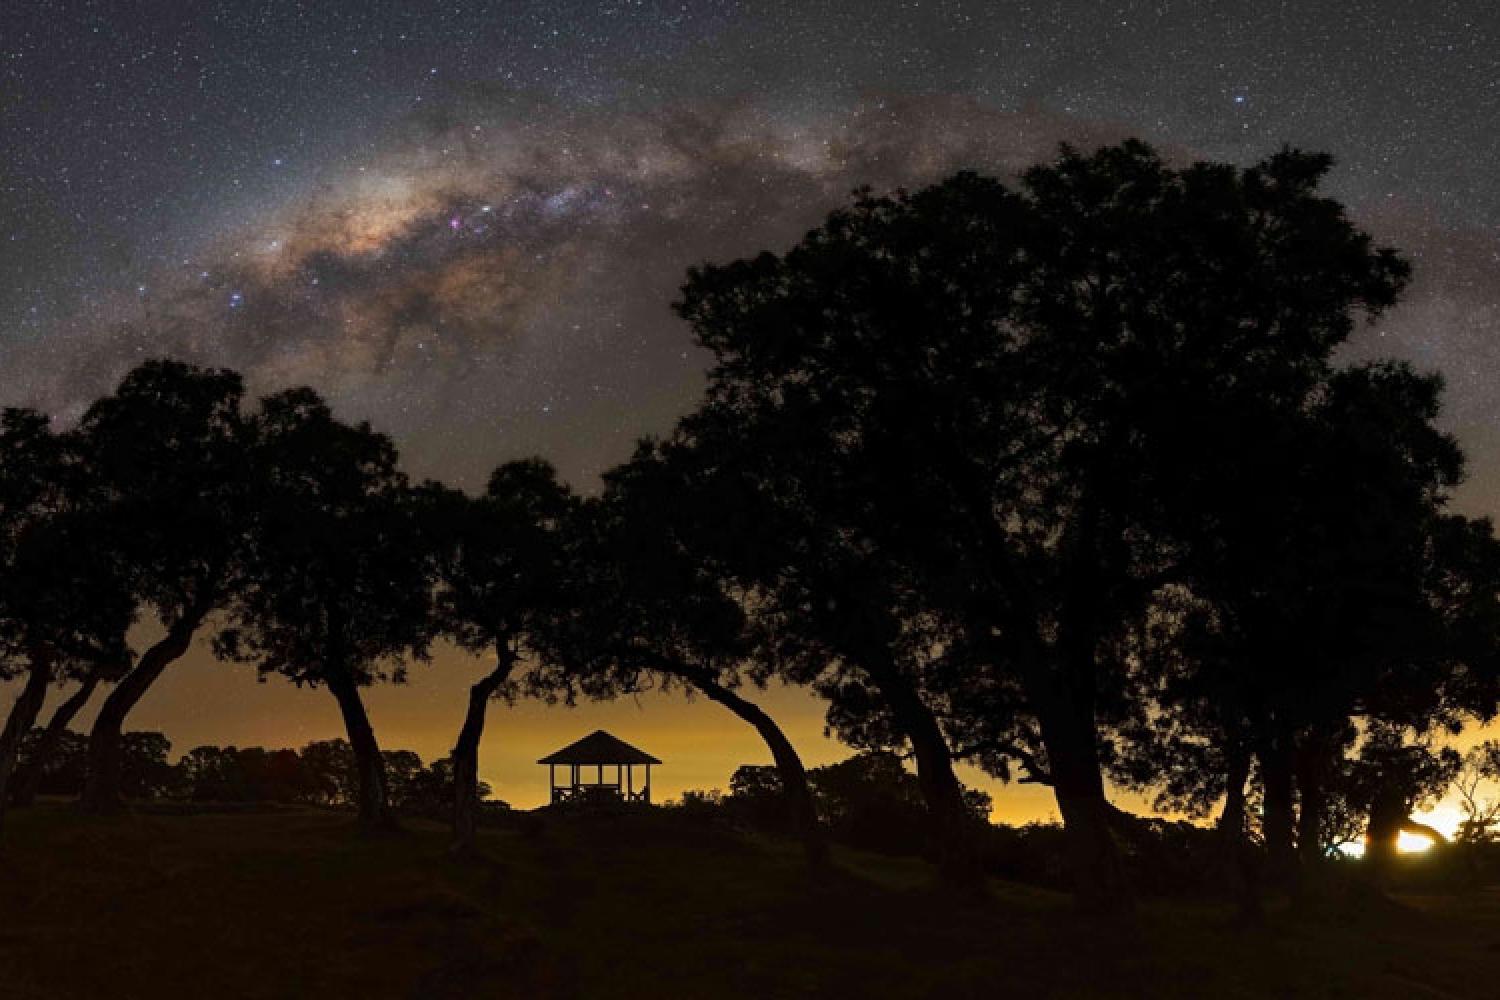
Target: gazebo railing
[(588, 791), (595, 791), (575, 787)]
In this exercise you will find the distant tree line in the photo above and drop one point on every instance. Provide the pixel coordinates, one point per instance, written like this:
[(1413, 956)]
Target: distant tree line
[(1062, 478), (872, 802), (322, 773)]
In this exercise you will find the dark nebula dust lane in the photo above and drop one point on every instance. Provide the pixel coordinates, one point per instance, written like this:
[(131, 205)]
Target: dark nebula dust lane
[(466, 222)]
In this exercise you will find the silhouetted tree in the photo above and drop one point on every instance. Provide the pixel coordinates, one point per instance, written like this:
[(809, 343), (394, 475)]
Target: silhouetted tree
[(31, 480), (999, 392), (1389, 780), (28, 777), (62, 612), (872, 801), (144, 770), (212, 774), (756, 796), (500, 574), (168, 454), (1480, 767), (1187, 739), (431, 791), (323, 773), (332, 772), (403, 770), (61, 771), (337, 591), (1334, 588), (251, 774), (649, 606), (276, 775)]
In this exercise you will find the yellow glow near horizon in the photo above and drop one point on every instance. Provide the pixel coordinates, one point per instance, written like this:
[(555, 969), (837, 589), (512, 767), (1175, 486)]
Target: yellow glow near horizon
[(203, 702), (1406, 843), (1445, 819), (1413, 843)]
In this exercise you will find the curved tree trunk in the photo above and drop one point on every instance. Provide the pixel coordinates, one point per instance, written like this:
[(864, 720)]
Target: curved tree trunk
[(22, 717), (789, 767), (1061, 684), (101, 789), (1071, 740), (373, 798), (1389, 819), (29, 778), (466, 755), (1410, 825), (949, 820)]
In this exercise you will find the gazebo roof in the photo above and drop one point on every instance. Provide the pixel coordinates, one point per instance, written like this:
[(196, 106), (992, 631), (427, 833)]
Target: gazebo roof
[(599, 747)]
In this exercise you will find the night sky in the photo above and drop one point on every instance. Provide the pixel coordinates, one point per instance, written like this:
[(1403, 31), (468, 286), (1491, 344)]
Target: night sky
[(465, 222)]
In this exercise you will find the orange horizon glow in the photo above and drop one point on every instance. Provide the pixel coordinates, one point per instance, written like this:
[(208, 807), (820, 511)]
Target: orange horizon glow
[(200, 701)]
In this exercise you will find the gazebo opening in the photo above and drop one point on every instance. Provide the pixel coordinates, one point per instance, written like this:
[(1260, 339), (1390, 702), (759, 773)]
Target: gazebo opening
[(599, 767)]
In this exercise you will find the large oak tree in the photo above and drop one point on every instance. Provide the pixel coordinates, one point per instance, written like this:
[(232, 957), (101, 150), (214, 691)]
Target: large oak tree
[(650, 606), (999, 388), (500, 578), (64, 608), (337, 591), (168, 455)]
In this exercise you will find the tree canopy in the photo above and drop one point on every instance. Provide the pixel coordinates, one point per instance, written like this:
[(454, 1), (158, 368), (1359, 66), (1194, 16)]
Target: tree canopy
[(337, 591)]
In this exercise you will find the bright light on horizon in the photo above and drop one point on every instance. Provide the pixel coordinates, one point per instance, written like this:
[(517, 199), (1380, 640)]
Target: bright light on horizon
[(1406, 843), (1413, 843), (1445, 819)]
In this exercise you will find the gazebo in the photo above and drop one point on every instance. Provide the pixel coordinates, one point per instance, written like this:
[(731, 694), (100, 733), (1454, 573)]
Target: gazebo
[(599, 750)]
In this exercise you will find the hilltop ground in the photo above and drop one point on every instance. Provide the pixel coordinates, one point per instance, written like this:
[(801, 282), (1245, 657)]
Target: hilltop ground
[(291, 903)]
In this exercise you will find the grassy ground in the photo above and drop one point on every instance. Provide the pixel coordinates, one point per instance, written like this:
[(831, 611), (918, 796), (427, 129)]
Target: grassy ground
[(293, 904)]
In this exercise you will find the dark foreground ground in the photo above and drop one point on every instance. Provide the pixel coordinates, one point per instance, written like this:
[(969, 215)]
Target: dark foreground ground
[(292, 904)]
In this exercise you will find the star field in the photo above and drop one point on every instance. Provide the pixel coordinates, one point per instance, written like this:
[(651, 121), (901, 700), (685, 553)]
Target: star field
[(465, 221)]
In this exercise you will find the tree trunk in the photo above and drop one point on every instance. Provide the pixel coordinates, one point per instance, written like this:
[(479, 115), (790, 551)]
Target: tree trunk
[(1421, 829), (1238, 858), (101, 789), (1311, 765), (30, 778), (22, 717), (1276, 776), (1063, 700), (789, 767), (1071, 740), (948, 819), (466, 756), (374, 802), (1232, 818), (1388, 812)]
